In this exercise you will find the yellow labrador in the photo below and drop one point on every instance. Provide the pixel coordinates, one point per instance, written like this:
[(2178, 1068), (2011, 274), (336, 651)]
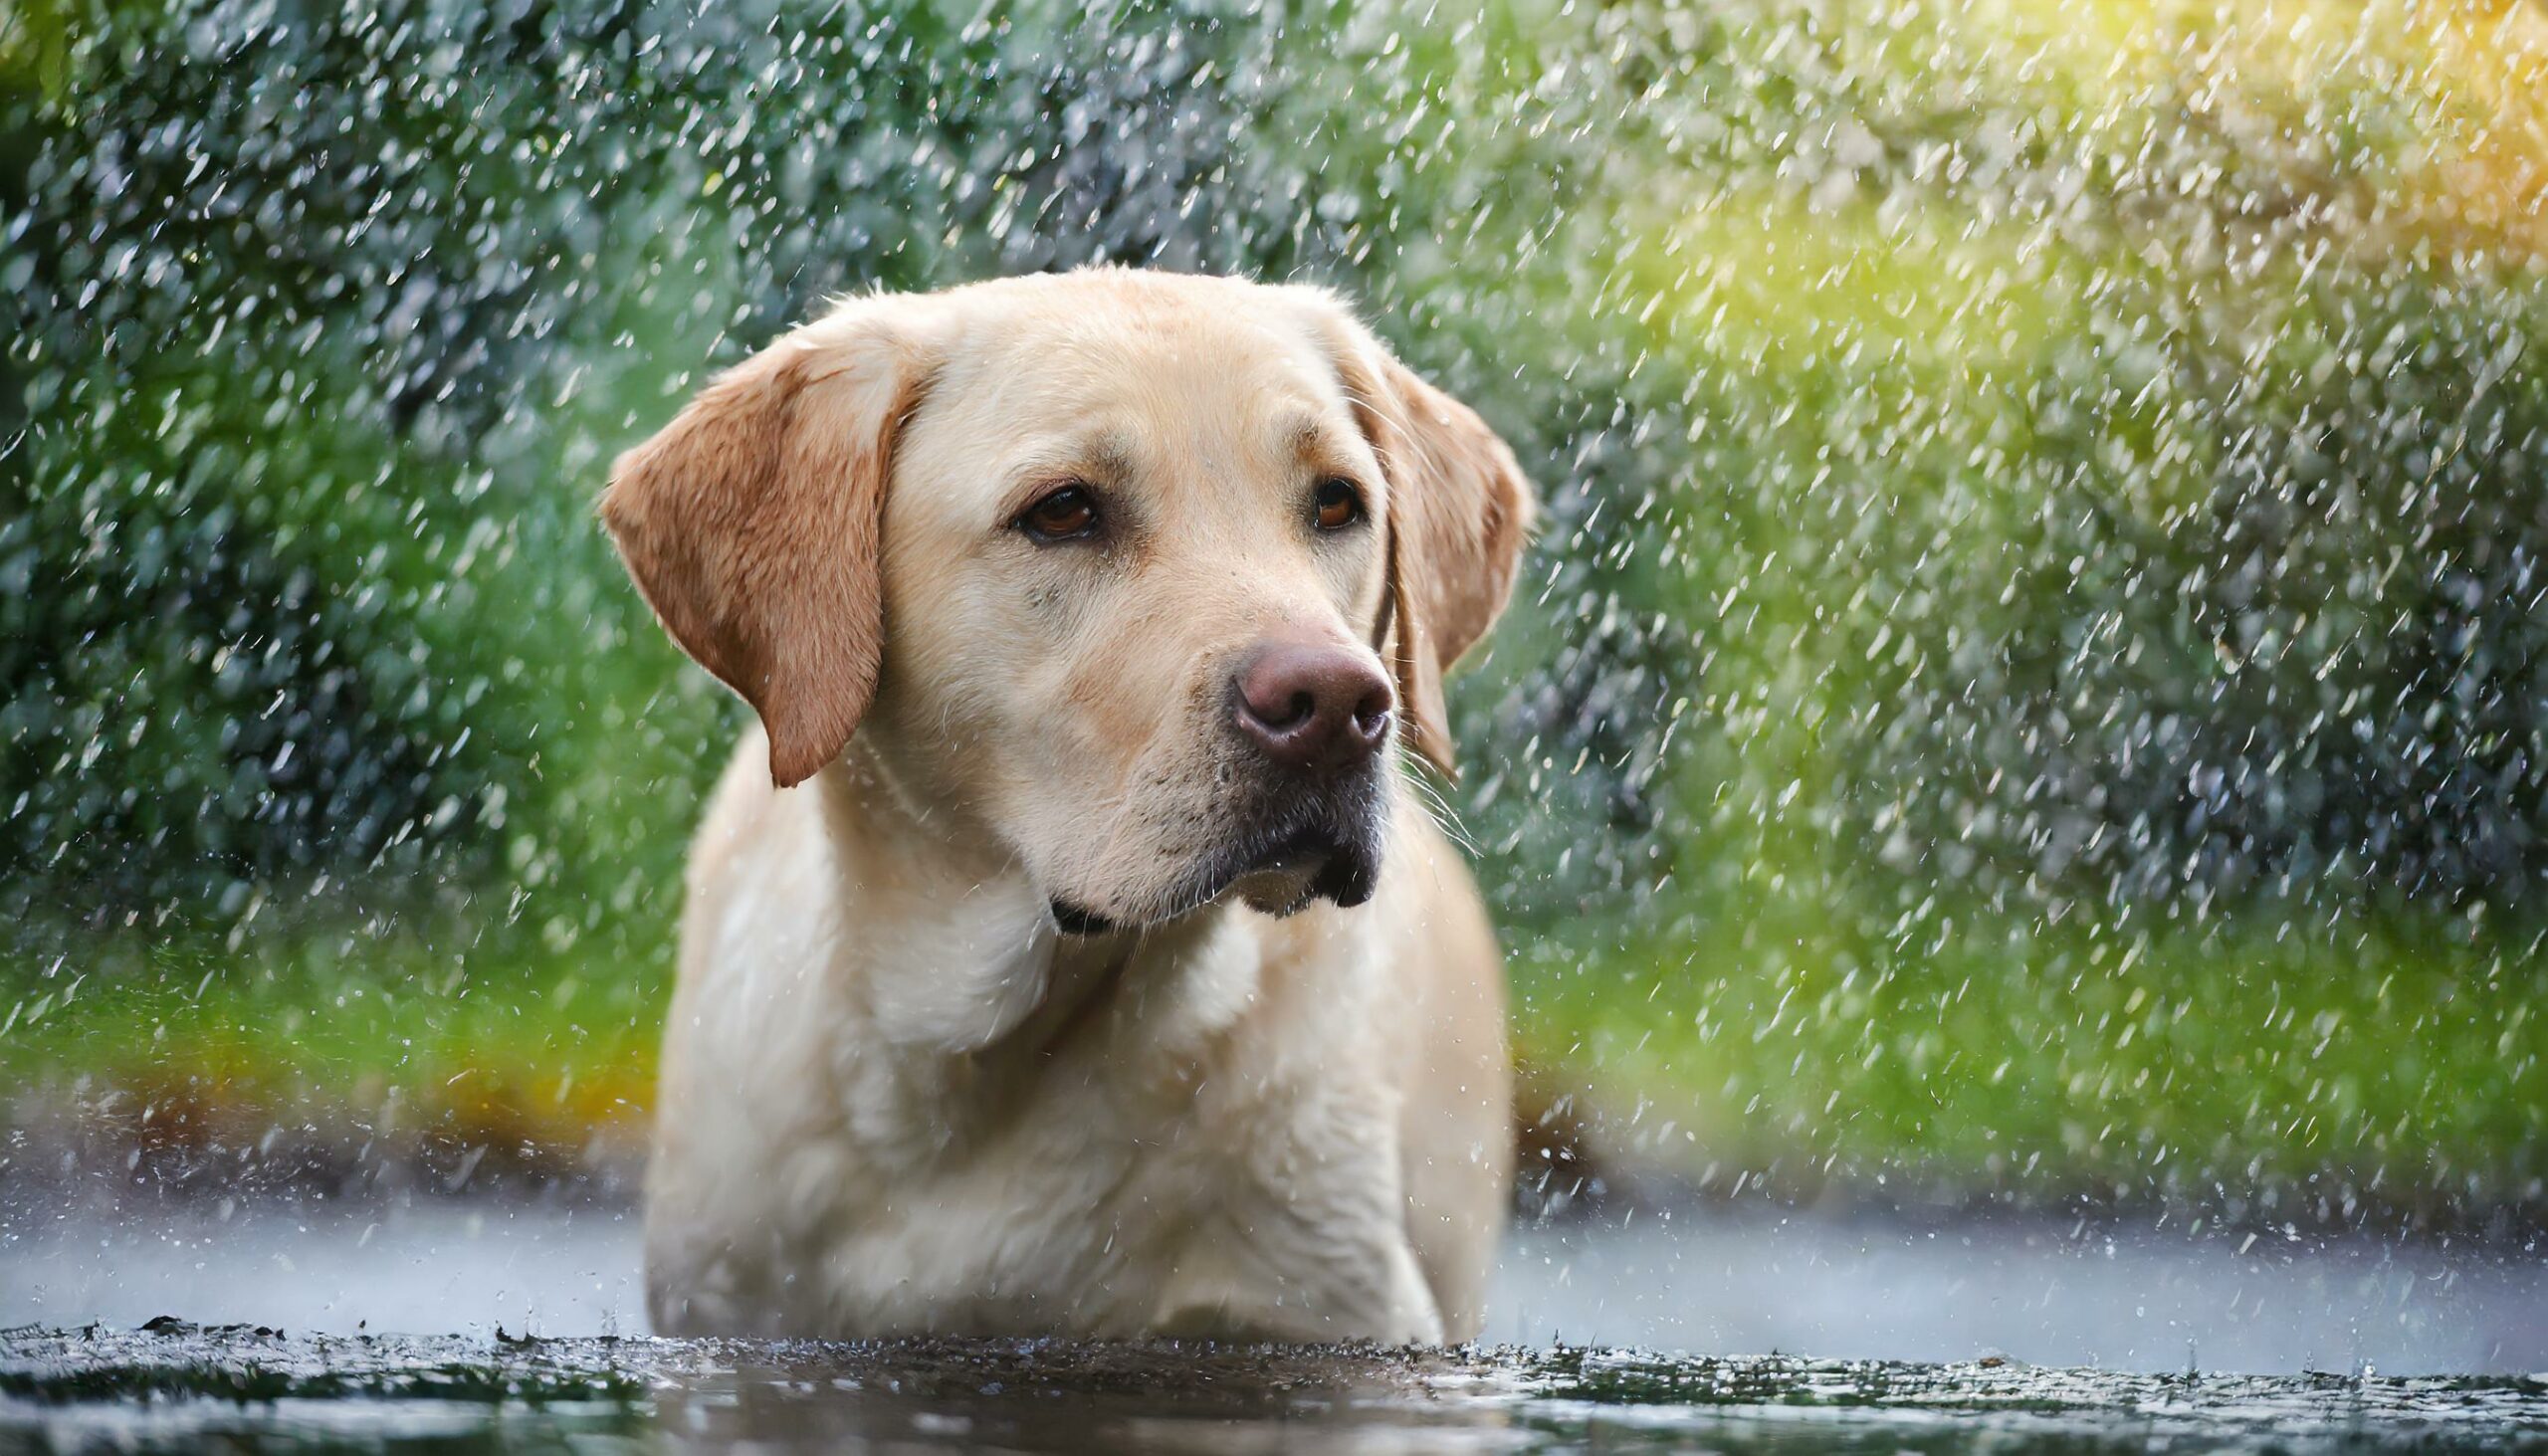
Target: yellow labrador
[(1088, 967)]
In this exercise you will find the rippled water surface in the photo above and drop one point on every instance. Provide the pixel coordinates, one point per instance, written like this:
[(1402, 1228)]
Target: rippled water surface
[(248, 1388), (1953, 1337)]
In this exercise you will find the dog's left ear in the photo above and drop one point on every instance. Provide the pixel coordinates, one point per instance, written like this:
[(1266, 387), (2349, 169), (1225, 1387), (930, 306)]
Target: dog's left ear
[(1459, 512), (750, 523)]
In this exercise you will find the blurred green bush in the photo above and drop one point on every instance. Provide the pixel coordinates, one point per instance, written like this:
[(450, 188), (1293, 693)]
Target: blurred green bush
[(2033, 683)]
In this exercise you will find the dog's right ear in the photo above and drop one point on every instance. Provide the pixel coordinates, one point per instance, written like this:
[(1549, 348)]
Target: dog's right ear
[(1459, 511), (750, 523)]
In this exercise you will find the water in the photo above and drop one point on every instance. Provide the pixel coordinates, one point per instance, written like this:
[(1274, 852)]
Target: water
[(463, 1326), (1692, 1280), (250, 1390)]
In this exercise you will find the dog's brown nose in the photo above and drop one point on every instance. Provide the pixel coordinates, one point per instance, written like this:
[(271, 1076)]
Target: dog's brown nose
[(1313, 705)]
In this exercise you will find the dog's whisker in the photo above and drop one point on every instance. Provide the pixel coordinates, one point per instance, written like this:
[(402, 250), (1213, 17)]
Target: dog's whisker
[(1439, 810)]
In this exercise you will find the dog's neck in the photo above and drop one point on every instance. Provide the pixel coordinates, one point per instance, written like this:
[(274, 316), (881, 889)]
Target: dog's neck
[(968, 962)]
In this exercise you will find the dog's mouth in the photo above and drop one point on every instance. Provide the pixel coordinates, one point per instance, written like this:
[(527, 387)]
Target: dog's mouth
[(1308, 865), (1314, 849), (1078, 919)]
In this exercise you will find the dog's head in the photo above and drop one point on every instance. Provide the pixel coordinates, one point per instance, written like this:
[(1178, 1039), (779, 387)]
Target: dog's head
[(1136, 575)]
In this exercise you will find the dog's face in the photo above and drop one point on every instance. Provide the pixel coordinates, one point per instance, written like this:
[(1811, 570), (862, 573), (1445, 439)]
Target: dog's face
[(1110, 519), (1136, 574)]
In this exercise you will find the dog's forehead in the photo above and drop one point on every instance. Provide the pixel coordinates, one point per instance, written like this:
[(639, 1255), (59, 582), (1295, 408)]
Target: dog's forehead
[(1172, 362), (1198, 388)]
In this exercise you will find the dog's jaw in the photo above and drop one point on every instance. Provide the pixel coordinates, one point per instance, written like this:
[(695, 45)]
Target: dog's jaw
[(1279, 876)]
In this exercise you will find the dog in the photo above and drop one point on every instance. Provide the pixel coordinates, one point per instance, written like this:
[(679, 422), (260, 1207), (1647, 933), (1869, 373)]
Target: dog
[(1068, 952)]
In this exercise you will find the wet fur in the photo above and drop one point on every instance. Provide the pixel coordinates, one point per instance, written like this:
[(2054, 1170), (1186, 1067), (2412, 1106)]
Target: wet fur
[(1262, 1091)]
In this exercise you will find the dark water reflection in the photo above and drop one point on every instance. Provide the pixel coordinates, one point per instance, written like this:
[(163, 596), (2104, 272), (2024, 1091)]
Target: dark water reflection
[(181, 1387), (1953, 1337)]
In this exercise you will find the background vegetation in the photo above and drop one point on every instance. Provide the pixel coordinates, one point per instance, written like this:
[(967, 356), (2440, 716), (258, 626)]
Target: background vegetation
[(2031, 690)]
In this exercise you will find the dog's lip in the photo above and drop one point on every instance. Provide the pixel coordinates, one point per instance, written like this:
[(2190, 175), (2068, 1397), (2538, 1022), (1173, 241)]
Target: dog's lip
[(1347, 878), (1076, 920), (1306, 849)]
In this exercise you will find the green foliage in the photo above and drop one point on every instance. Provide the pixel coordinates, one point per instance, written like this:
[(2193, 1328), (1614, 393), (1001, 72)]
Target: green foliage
[(2040, 593), (2076, 599), (328, 333)]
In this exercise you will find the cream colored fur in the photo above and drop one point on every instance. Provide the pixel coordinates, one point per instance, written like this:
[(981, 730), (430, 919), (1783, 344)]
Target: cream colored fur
[(896, 1099)]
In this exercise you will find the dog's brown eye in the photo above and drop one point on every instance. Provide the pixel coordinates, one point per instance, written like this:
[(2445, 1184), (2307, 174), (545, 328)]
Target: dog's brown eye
[(1067, 513), (1339, 504)]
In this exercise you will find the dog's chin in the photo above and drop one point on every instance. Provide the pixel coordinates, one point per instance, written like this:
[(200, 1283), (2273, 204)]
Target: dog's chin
[(1288, 883), (1278, 890)]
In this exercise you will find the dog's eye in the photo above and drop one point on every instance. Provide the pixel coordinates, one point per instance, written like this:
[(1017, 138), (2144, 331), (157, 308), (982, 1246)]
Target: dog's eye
[(1339, 504), (1065, 514)]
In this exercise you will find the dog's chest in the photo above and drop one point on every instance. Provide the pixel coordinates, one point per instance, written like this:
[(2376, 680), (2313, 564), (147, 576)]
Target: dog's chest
[(1075, 1213), (1207, 1137)]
